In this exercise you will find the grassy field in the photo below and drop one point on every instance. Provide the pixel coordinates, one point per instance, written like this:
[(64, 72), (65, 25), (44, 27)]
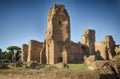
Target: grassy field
[(75, 71)]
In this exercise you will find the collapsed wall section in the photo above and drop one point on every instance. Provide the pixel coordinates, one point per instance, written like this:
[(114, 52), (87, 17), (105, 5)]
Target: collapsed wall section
[(34, 48), (106, 49), (117, 49), (24, 52), (110, 43), (101, 50)]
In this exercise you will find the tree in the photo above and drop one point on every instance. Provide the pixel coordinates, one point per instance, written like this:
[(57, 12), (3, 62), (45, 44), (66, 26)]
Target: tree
[(13, 48), (12, 51), (6, 55)]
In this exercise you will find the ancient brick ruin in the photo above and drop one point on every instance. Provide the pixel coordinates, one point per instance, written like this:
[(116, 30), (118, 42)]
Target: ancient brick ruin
[(24, 52), (117, 49), (31, 52), (88, 39), (76, 53), (58, 47), (34, 48), (57, 38), (106, 49)]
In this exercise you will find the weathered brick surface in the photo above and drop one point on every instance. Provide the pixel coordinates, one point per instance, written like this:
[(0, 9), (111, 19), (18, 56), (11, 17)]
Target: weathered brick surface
[(88, 39), (106, 49), (57, 35), (57, 46), (34, 48), (117, 49), (24, 52), (77, 53)]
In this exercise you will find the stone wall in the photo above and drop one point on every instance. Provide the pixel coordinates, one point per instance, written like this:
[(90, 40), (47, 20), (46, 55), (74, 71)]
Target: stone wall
[(43, 59), (34, 48), (58, 47), (89, 60), (117, 49), (101, 50), (24, 52), (77, 53), (106, 49), (110, 43), (88, 39)]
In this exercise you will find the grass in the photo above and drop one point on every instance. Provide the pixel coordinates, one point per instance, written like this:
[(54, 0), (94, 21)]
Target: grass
[(72, 66), (78, 69), (73, 69)]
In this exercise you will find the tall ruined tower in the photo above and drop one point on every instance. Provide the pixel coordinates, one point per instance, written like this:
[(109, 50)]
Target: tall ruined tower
[(57, 39), (88, 39)]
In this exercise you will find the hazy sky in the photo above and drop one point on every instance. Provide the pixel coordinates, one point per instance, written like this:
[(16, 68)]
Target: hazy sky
[(23, 20)]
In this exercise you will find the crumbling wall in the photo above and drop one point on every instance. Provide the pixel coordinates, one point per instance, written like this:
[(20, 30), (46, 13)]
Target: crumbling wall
[(88, 39), (43, 59), (34, 48), (57, 46), (24, 52), (101, 50), (106, 49), (110, 43), (77, 53), (89, 60), (117, 49)]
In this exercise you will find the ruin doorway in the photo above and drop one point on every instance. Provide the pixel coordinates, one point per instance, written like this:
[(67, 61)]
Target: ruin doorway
[(60, 59)]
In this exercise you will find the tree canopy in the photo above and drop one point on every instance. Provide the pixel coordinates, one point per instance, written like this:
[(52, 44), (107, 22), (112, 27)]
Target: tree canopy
[(14, 55), (12, 48)]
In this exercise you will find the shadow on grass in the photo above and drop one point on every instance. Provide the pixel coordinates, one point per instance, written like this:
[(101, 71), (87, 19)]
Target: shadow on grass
[(109, 76)]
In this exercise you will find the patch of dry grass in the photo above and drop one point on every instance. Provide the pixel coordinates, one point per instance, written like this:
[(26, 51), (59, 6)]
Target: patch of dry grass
[(73, 69)]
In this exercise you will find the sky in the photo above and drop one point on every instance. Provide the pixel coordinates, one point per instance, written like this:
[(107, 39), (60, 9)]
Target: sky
[(23, 20)]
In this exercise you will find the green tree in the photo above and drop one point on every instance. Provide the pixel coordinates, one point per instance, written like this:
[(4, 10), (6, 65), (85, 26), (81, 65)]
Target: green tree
[(6, 55), (12, 51)]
